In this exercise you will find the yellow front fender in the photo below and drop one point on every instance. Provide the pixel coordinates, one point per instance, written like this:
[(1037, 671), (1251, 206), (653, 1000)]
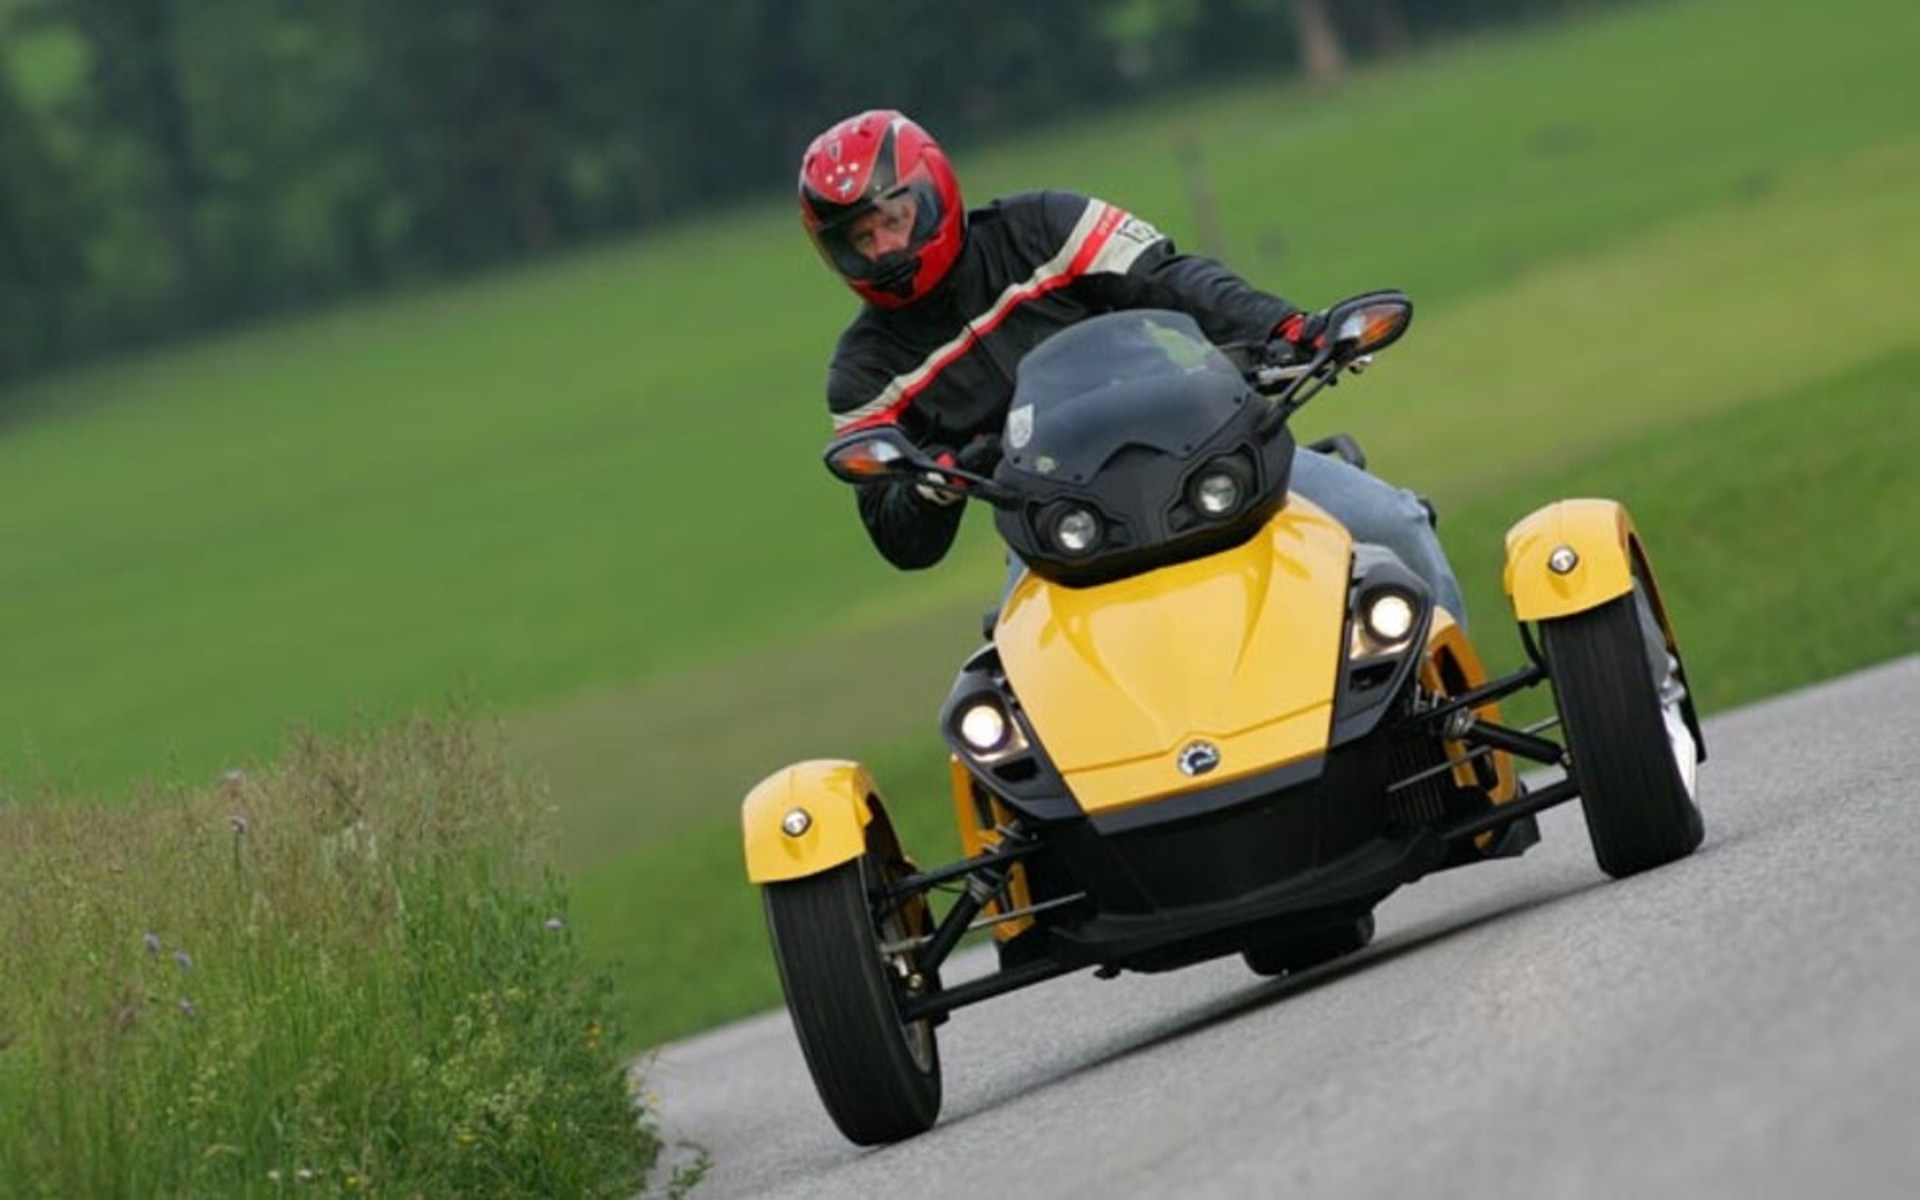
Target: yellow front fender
[(1601, 536), (840, 801)]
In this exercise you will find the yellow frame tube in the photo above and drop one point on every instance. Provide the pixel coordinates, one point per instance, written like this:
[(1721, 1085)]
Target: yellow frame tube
[(1446, 640), (976, 838)]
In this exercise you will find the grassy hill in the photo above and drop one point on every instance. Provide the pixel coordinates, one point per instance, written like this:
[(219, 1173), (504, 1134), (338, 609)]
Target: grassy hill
[(1662, 255)]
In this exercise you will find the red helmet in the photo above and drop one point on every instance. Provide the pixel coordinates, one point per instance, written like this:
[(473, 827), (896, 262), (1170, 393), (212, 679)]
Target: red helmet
[(881, 161)]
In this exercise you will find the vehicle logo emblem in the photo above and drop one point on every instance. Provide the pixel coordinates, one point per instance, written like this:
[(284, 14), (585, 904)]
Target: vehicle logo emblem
[(1045, 464), (1198, 758), (1020, 426)]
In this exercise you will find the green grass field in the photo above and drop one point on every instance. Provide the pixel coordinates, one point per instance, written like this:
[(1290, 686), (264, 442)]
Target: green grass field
[(1662, 255)]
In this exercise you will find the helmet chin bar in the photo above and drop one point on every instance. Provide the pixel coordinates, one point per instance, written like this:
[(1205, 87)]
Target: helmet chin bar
[(894, 273)]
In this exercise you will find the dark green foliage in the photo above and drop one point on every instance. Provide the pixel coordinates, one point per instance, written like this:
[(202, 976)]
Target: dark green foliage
[(209, 160), (40, 241)]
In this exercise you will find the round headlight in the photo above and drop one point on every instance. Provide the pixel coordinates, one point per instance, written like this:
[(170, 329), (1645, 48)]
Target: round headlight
[(983, 726), (1389, 616), (1076, 530), (1216, 493), (1220, 488)]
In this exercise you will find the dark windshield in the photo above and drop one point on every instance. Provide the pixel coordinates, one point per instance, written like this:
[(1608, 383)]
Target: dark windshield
[(1144, 377)]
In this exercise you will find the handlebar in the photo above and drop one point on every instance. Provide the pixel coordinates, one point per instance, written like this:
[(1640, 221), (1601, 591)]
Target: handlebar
[(1268, 380)]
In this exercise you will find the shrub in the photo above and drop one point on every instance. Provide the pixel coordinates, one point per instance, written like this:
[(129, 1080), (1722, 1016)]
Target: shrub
[(344, 973)]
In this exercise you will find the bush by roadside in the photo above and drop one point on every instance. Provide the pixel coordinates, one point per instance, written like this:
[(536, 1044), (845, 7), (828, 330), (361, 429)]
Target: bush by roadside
[(345, 973)]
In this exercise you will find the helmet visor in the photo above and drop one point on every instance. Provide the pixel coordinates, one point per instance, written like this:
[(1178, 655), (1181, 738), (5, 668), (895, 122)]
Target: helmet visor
[(871, 237)]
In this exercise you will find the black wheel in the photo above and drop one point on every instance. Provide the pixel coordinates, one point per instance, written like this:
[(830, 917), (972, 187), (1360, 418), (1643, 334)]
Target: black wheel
[(1632, 751), (878, 1077), (1305, 953)]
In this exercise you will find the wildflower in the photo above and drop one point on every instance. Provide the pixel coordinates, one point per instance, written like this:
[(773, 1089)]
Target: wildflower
[(187, 1008), (239, 823), (555, 924), (152, 941), (233, 780), (352, 1181), (304, 1175), (273, 1175), (184, 959)]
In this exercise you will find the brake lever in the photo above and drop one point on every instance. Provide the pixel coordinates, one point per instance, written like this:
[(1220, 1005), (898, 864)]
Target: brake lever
[(973, 485), (1357, 365)]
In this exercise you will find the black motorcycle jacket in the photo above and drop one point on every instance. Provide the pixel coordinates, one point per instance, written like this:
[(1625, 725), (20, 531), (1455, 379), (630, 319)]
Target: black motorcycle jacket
[(942, 368)]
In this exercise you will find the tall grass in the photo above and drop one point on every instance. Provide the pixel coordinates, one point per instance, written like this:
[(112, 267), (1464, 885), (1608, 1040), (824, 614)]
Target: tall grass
[(346, 972)]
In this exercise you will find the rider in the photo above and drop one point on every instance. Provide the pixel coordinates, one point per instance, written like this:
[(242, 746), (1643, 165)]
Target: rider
[(955, 298)]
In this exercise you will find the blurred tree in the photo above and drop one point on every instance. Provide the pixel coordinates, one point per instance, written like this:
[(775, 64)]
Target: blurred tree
[(1323, 59), (171, 164), (1145, 32), (42, 261), (1387, 30), (138, 88), (475, 104)]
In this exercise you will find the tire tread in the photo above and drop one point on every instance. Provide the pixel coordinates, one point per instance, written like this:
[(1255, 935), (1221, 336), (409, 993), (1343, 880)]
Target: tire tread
[(1639, 815), (843, 1011)]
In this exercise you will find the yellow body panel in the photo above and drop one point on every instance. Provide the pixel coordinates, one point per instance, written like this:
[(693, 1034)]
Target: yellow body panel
[(839, 796), (1241, 648), (1599, 531), (978, 814)]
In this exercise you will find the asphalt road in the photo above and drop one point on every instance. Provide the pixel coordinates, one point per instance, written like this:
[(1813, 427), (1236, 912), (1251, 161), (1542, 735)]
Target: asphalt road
[(1744, 1023)]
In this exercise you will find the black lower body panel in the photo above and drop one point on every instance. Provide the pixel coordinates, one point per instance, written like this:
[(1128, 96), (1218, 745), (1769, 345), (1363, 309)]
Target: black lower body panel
[(1318, 844), (1352, 884)]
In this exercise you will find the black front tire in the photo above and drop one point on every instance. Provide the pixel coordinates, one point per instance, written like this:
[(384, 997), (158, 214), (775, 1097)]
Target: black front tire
[(1640, 811), (1313, 950), (878, 1077)]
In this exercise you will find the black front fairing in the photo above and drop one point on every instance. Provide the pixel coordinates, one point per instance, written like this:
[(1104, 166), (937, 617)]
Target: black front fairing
[(1117, 415)]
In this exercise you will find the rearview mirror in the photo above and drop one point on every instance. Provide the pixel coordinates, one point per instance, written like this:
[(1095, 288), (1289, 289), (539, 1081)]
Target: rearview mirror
[(882, 452), (1369, 323)]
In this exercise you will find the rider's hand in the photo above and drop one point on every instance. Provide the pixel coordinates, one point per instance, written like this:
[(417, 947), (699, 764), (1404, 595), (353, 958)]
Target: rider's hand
[(1305, 333), (948, 490)]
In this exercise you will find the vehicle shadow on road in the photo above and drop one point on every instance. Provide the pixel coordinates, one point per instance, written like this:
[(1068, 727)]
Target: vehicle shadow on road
[(1268, 992), (1264, 993)]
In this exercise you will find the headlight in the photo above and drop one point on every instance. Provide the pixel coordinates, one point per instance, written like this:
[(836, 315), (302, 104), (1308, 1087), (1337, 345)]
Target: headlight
[(983, 726), (1389, 615), (1076, 531), (1216, 494), (1219, 488)]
